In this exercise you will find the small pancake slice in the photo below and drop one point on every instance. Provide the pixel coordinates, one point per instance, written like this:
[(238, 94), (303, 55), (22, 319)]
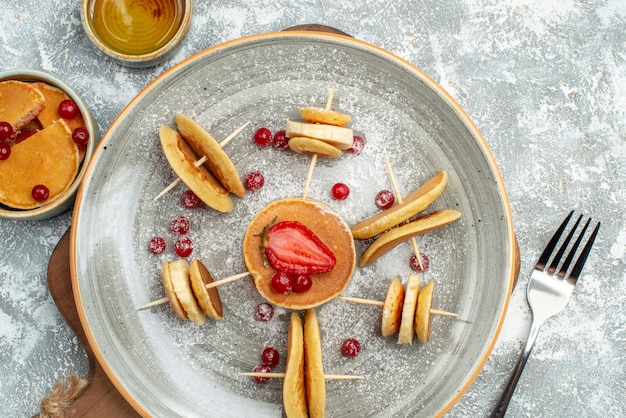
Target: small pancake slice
[(218, 162), (179, 275), (182, 158), (49, 158), (294, 388), (405, 336), (169, 288), (311, 146), (20, 102), (338, 136), (422, 316), (208, 299), (325, 116), (392, 308), (314, 369)]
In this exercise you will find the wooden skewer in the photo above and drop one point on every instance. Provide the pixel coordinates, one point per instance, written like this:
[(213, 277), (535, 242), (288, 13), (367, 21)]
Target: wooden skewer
[(208, 286), (309, 175), (201, 161), (380, 303), (282, 376), (396, 191)]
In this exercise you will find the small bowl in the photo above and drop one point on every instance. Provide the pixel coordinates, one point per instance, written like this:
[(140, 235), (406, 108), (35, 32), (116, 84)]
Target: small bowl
[(66, 199), (149, 54)]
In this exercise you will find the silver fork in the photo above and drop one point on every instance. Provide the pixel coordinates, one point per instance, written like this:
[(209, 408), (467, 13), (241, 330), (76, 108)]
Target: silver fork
[(548, 292)]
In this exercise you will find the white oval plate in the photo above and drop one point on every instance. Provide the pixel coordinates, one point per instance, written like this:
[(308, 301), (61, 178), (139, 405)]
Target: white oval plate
[(168, 367)]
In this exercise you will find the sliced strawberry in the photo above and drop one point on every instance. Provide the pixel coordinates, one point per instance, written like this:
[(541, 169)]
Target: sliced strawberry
[(293, 248)]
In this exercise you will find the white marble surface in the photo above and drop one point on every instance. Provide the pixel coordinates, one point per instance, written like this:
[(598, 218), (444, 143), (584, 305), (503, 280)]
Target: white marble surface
[(544, 81)]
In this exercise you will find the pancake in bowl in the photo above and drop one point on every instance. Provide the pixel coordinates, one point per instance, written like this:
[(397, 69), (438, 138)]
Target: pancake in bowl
[(20, 103), (328, 227)]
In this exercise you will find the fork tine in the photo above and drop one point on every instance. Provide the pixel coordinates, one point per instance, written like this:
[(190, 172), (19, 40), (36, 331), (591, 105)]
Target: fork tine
[(543, 259), (570, 256), (578, 266), (559, 254)]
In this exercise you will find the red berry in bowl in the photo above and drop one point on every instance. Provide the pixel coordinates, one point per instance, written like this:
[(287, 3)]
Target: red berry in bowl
[(80, 136), (157, 245), (263, 137), (340, 191), (180, 225), (281, 282), (385, 199), (261, 368), (6, 130), (40, 193), (357, 145), (270, 356), (183, 247), (254, 180), (351, 347), (68, 109), (264, 312), (190, 200), (415, 265), (5, 151), (301, 283), (280, 140)]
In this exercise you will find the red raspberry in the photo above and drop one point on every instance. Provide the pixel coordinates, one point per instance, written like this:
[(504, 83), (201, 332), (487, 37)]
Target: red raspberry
[(340, 191), (190, 200), (264, 312), (385, 199), (263, 137), (180, 225), (261, 368), (415, 265), (270, 356), (301, 283), (157, 245), (351, 347), (281, 282), (357, 145), (255, 180), (183, 247), (280, 140)]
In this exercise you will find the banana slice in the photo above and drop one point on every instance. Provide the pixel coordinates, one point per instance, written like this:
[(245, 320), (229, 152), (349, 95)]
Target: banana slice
[(311, 146), (413, 204), (181, 158), (389, 240), (218, 162), (422, 315), (405, 336), (294, 389), (325, 116), (166, 276), (314, 372), (208, 299), (340, 137), (392, 308), (179, 274)]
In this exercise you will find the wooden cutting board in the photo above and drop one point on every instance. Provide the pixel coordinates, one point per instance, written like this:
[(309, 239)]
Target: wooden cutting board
[(101, 399)]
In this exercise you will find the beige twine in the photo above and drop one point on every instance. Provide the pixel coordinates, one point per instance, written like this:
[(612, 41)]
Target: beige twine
[(64, 393)]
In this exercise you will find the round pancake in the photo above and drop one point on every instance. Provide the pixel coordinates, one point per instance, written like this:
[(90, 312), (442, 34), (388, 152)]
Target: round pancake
[(333, 232), (20, 103), (208, 299), (49, 157)]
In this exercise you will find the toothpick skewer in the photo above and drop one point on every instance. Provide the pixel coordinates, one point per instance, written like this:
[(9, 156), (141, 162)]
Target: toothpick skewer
[(380, 303), (309, 175), (201, 161), (396, 191), (208, 286), (282, 376)]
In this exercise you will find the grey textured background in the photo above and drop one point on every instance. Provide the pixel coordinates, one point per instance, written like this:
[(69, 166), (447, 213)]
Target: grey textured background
[(544, 81)]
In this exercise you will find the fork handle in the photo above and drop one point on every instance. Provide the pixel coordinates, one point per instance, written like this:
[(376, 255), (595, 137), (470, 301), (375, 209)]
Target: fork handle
[(507, 394)]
